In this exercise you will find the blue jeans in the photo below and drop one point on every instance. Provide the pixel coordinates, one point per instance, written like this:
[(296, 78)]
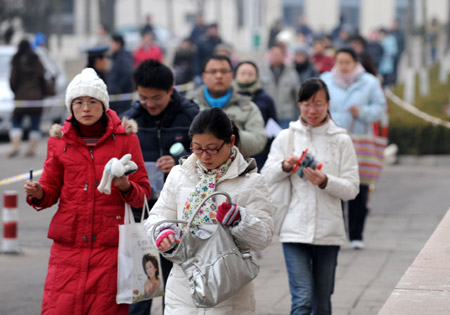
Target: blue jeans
[(35, 121), (311, 270)]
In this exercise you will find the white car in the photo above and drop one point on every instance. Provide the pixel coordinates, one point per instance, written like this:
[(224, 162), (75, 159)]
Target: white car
[(50, 114)]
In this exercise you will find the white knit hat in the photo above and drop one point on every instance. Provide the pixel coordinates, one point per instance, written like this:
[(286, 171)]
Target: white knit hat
[(87, 83)]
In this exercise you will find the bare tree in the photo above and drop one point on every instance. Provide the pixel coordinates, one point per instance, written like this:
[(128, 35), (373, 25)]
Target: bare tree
[(409, 87)]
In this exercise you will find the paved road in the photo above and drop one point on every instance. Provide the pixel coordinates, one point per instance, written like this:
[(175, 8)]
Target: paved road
[(410, 200)]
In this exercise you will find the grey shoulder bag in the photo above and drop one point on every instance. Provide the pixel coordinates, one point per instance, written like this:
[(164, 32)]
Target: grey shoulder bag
[(215, 267)]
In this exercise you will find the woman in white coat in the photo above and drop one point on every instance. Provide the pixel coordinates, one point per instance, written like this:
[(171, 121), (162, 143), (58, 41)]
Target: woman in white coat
[(215, 165), (313, 227)]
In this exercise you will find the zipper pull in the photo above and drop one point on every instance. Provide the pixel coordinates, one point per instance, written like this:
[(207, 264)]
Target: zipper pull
[(86, 186), (92, 154)]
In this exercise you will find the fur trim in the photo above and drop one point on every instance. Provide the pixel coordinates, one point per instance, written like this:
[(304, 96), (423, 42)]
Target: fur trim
[(131, 125), (56, 131)]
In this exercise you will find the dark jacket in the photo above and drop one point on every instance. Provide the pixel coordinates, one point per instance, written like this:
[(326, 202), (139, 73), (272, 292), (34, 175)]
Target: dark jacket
[(262, 100), (306, 71), (205, 49), (184, 64), (120, 80), (27, 78), (120, 75), (158, 134)]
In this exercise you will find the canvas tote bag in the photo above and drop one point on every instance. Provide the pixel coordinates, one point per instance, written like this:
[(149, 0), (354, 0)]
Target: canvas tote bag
[(138, 278)]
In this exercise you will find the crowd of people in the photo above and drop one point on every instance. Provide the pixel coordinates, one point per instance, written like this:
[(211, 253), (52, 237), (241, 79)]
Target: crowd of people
[(240, 120)]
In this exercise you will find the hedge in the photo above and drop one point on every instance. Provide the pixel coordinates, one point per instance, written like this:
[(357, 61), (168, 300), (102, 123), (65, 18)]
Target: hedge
[(414, 135)]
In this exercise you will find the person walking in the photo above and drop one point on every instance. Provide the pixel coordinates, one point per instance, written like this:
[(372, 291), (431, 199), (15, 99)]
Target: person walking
[(97, 59), (319, 58), (82, 269), (247, 83), (198, 30), (27, 81), (206, 45), (163, 117), (281, 82), (387, 62), (313, 227), (147, 50), (303, 65), (184, 62), (215, 165), (219, 92), (120, 80), (357, 101)]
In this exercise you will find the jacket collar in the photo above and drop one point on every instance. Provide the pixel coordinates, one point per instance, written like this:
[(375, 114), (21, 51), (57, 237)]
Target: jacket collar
[(239, 167), (115, 126), (198, 97), (330, 128), (168, 115)]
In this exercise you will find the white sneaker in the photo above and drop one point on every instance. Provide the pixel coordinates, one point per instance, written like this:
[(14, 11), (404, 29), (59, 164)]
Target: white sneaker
[(357, 244)]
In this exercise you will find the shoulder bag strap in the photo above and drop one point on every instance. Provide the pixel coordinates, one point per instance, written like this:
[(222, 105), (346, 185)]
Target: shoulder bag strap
[(352, 124), (291, 141), (128, 218), (145, 208), (203, 202)]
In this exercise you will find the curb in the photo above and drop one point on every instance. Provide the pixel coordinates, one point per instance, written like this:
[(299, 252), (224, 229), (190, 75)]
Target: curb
[(424, 160)]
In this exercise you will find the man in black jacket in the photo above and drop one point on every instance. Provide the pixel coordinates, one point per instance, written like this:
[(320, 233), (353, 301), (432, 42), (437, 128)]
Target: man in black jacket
[(120, 79), (163, 117)]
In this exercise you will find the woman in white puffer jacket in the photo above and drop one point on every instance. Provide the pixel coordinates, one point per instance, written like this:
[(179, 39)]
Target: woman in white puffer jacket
[(313, 227), (215, 165)]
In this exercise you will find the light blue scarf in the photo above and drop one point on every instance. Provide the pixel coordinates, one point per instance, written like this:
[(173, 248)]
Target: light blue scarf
[(217, 102)]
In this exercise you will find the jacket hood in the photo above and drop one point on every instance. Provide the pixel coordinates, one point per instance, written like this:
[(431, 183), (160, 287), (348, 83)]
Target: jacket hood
[(329, 128), (239, 167), (115, 126)]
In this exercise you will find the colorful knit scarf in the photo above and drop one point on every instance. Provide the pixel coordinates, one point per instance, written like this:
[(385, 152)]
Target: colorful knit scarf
[(206, 186)]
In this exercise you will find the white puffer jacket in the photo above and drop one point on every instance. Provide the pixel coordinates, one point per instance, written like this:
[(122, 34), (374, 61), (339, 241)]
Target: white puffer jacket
[(315, 215), (247, 189)]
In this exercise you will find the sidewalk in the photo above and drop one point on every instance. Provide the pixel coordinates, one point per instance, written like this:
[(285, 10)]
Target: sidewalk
[(406, 208), (410, 201)]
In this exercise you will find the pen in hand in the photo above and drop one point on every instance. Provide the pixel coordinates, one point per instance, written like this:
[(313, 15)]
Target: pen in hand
[(31, 178)]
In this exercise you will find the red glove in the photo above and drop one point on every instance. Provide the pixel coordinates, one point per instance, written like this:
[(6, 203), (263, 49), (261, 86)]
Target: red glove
[(227, 214)]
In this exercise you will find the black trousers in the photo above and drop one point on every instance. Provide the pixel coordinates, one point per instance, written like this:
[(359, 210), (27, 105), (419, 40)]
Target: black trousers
[(357, 211)]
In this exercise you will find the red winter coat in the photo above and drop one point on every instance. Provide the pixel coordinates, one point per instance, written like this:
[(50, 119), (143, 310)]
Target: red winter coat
[(144, 53), (82, 269)]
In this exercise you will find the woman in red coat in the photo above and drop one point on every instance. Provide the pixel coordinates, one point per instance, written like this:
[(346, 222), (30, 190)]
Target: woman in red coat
[(82, 271)]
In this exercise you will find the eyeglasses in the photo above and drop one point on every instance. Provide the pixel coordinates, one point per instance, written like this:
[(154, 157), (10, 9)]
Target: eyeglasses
[(215, 71), (144, 100), (200, 151), (153, 100), (90, 103), (309, 106)]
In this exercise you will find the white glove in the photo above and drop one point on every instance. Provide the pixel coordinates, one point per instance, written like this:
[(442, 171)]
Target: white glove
[(115, 168), (129, 165)]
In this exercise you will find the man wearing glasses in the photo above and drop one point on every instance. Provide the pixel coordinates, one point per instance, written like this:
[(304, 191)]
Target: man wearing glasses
[(217, 91), (163, 117)]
